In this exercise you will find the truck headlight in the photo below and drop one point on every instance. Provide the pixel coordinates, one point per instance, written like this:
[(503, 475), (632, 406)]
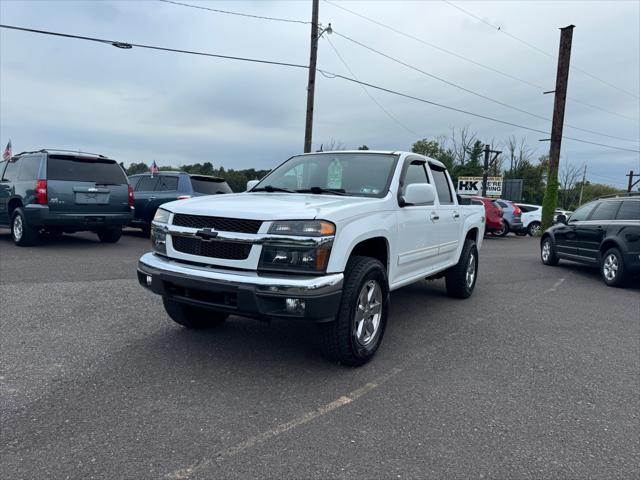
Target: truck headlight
[(293, 258), (161, 216), (303, 228)]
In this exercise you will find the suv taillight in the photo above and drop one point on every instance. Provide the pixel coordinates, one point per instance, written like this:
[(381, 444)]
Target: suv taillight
[(41, 192), (517, 210), (130, 196)]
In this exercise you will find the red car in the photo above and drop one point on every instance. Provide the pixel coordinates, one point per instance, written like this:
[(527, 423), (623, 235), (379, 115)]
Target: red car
[(493, 212)]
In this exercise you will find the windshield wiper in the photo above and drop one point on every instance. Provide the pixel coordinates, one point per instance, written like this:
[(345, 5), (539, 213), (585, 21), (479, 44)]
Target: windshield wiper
[(319, 190), (271, 188)]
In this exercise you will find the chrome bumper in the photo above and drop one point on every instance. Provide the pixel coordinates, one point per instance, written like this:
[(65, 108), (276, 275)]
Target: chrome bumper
[(266, 284)]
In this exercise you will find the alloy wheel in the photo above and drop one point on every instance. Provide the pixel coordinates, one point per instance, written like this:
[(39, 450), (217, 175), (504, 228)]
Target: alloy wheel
[(368, 313)]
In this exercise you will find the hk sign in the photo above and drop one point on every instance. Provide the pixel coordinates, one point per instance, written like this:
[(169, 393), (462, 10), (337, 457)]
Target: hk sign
[(473, 186)]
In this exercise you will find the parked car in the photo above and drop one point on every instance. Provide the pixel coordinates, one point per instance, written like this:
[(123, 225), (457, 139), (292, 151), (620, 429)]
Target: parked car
[(531, 219), (512, 216), (493, 214), (323, 238), (151, 191), (60, 191), (604, 233)]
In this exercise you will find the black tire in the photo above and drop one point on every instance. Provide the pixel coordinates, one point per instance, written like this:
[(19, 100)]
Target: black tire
[(550, 257), (459, 280), (23, 234), (340, 339), (503, 232), (534, 228), (110, 235), (612, 268), (193, 317)]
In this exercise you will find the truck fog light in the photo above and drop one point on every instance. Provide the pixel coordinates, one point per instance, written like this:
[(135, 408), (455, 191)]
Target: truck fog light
[(149, 281), (295, 306)]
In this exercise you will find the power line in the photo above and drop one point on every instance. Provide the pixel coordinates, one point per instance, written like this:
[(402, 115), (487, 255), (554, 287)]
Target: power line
[(228, 12), (537, 49), (294, 65), (528, 83), (373, 99), (472, 92), (127, 45)]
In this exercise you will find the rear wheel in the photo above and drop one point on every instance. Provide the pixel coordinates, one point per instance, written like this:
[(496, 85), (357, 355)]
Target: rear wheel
[(193, 317), (502, 231), (534, 229), (23, 234), (548, 252), (355, 335), (460, 279), (110, 235), (612, 268)]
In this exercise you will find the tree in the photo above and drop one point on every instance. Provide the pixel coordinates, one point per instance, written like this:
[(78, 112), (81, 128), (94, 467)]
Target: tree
[(135, 168), (568, 190), (474, 165), (433, 149), (461, 144), (363, 147)]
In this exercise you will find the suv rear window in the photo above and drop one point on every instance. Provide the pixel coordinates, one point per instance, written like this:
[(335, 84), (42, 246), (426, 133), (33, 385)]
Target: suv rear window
[(82, 169), (630, 210), (209, 186)]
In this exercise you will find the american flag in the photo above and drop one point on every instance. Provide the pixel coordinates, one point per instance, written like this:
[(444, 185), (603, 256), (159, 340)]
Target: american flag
[(153, 168), (7, 152)]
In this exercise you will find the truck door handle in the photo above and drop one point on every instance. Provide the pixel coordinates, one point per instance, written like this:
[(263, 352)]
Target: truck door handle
[(152, 198), (456, 215), (434, 217)]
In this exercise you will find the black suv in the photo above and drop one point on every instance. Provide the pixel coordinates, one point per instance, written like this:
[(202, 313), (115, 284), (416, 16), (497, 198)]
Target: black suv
[(62, 191), (151, 191), (604, 233)]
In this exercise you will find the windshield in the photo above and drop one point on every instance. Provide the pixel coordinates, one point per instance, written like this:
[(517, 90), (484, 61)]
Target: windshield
[(358, 174)]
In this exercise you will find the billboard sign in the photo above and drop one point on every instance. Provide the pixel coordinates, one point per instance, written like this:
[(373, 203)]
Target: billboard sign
[(473, 186)]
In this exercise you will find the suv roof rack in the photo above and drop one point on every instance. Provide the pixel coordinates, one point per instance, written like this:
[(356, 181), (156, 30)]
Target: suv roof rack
[(616, 195), (53, 150)]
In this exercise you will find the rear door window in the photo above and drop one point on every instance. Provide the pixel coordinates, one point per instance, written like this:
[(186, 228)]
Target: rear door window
[(167, 184), (29, 168), (442, 185), (630, 210), (147, 184), (605, 211), (209, 186), (84, 169)]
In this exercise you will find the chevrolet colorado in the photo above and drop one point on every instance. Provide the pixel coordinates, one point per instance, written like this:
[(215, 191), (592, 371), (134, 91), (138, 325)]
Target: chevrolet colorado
[(324, 237)]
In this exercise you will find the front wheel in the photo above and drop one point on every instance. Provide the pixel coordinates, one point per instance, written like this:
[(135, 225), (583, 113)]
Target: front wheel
[(111, 235), (460, 279), (548, 252), (355, 335), (612, 268), (193, 317)]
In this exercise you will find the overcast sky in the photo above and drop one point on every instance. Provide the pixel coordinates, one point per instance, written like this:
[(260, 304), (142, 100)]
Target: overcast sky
[(140, 105)]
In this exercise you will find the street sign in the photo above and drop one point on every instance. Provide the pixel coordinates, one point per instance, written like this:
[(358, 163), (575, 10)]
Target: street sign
[(473, 186)]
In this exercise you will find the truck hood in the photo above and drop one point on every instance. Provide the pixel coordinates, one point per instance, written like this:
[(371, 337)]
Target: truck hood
[(272, 206)]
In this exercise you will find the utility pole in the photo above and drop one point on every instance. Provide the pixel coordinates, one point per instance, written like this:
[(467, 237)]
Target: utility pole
[(311, 85), (485, 170), (562, 77), (584, 179), (487, 164), (631, 182)]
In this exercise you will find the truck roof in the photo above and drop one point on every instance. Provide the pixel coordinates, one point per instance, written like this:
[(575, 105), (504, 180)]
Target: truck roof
[(386, 152)]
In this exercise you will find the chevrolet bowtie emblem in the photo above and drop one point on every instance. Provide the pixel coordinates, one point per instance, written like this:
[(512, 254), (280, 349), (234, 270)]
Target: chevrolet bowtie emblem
[(207, 234)]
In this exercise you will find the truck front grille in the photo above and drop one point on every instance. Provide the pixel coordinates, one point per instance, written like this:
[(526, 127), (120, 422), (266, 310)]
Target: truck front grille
[(222, 224), (215, 249)]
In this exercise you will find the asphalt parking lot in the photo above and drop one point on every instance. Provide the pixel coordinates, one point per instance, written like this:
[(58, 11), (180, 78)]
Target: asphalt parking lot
[(535, 376)]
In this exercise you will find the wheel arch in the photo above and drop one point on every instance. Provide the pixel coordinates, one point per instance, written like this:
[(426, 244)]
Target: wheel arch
[(12, 204), (375, 247)]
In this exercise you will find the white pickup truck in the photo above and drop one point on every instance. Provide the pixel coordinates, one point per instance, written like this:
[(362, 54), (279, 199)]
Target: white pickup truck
[(324, 238)]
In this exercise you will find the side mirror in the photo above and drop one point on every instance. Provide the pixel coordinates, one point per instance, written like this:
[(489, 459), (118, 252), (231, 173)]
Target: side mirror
[(562, 218), (418, 194), (251, 184)]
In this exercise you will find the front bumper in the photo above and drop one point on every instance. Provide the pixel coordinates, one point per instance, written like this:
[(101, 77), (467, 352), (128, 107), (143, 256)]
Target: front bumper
[(240, 292)]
